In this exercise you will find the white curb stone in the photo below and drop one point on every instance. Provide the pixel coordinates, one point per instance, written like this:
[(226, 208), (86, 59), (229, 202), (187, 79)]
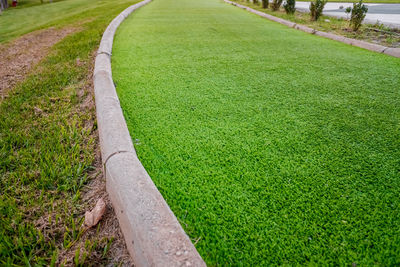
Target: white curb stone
[(304, 28), (102, 64), (331, 36), (368, 46), (152, 233), (395, 52)]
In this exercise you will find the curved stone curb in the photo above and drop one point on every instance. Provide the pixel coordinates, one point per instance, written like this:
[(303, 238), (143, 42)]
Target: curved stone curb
[(152, 233), (395, 52)]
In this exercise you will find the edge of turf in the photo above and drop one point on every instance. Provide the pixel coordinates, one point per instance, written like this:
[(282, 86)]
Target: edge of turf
[(152, 233), (395, 52)]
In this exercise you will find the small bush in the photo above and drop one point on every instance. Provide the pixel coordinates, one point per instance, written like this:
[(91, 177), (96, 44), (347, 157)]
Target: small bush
[(255, 2), (276, 4), (316, 9), (347, 11), (265, 3), (358, 13), (290, 6)]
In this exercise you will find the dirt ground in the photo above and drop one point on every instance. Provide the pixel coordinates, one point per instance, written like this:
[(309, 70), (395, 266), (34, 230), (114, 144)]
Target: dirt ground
[(18, 57)]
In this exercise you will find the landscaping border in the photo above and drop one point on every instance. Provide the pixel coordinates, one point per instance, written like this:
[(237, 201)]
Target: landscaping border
[(152, 233), (395, 52)]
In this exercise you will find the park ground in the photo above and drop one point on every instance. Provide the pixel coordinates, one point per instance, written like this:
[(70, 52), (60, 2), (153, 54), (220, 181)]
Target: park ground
[(319, 143), (50, 167), (271, 146)]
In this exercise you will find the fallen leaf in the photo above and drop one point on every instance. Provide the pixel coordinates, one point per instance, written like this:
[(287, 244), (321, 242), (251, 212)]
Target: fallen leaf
[(94, 216), (37, 110)]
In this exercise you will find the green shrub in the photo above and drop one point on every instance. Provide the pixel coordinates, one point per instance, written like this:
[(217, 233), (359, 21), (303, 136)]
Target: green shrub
[(265, 3), (276, 4), (358, 13), (290, 6), (316, 9), (255, 2)]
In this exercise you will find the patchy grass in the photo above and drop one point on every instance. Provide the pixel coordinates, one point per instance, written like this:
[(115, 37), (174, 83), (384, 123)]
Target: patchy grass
[(47, 141), (374, 33), (272, 146), (17, 21), (30, 3)]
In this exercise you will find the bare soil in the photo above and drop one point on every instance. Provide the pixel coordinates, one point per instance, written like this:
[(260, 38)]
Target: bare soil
[(17, 58)]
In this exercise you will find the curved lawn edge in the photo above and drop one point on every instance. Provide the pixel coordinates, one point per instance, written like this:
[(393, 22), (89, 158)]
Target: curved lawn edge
[(395, 52), (152, 233)]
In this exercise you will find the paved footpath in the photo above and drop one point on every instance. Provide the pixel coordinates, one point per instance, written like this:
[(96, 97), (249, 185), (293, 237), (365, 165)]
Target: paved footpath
[(388, 14)]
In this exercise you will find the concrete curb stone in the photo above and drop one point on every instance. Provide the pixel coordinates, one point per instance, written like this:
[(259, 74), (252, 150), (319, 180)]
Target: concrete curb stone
[(368, 46), (346, 40), (149, 216), (395, 52), (304, 29), (151, 231), (102, 64), (331, 36)]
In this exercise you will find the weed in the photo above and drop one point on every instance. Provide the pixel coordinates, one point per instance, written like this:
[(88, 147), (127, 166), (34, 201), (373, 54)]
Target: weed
[(276, 4), (290, 6), (358, 13), (265, 3), (316, 8)]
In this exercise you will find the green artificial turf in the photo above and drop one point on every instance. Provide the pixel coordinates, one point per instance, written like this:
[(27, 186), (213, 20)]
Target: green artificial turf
[(270, 145)]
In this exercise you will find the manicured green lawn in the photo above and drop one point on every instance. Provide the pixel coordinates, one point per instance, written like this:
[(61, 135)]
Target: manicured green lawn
[(271, 146)]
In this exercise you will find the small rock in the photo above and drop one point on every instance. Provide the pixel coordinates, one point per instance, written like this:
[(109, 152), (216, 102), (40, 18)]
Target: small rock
[(327, 20), (178, 253)]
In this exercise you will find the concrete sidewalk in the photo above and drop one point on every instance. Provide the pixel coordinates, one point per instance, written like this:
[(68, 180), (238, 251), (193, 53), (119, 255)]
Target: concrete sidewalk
[(387, 14)]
